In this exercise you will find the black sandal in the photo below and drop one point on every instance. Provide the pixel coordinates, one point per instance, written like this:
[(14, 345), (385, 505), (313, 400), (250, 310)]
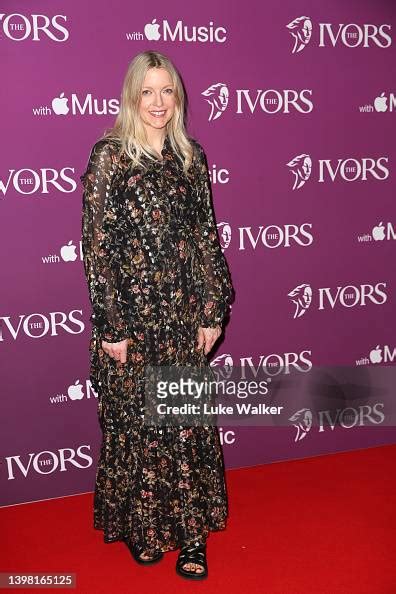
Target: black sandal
[(136, 551), (192, 554)]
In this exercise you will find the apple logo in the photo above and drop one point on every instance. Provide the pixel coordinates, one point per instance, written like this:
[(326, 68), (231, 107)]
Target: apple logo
[(376, 355), (59, 105), (380, 103), (151, 31), (378, 232), (75, 391), (68, 252)]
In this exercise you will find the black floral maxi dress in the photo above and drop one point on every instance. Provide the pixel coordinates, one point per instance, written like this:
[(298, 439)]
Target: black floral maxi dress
[(155, 273)]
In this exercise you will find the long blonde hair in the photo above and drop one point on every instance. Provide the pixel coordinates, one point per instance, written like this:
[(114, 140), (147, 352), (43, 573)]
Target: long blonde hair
[(128, 127)]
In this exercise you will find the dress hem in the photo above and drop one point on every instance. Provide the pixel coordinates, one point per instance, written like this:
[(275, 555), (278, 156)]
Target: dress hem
[(165, 548)]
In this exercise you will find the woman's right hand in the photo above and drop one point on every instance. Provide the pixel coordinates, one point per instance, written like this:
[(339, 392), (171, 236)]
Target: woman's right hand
[(116, 350)]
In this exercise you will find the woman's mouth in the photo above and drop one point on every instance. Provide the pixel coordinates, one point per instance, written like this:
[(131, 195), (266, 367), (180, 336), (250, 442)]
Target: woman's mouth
[(158, 114)]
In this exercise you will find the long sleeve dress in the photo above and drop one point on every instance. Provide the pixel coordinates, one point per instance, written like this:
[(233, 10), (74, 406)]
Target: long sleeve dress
[(155, 273)]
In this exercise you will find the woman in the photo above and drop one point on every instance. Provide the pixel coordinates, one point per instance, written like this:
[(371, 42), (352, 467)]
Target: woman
[(160, 291)]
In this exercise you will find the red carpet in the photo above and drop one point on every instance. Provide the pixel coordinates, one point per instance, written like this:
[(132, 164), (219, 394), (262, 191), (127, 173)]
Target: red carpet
[(324, 525)]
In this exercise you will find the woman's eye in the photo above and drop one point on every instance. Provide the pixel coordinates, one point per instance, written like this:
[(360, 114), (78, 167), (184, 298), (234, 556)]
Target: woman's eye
[(169, 91)]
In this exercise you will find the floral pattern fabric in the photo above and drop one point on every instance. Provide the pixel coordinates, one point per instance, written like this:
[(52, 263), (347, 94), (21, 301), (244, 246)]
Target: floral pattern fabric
[(155, 273)]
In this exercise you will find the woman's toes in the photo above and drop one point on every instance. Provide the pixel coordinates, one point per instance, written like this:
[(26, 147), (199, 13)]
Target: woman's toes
[(193, 567)]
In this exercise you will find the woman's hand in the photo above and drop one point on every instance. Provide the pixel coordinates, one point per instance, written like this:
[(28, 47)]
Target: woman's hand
[(116, 350), (207, 337)]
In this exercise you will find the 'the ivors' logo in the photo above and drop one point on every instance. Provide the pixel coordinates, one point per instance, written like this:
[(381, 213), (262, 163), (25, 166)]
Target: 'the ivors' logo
[(35, 27), (346, 418), (47, 462), (348, 296), (267, 101), (350, 35)]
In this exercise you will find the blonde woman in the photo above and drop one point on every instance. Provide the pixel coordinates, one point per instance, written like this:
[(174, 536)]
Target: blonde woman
[(160, 291)]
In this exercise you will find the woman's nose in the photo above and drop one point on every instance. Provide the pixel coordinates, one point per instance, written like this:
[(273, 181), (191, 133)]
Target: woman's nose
[(158, 100)]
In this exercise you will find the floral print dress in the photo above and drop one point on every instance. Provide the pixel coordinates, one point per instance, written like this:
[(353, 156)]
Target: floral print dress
[(155, 273)]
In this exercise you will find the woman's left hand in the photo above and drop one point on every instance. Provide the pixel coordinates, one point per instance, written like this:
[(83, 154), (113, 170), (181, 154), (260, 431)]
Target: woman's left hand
[(207, 337)]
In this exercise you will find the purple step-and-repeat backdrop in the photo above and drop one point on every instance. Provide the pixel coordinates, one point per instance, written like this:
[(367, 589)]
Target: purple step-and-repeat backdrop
[(295, 105)]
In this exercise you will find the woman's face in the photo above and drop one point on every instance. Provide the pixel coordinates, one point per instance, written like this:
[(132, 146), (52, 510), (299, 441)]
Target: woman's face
[(157, 102)]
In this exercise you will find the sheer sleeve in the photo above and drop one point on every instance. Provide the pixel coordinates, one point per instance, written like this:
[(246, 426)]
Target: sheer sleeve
[(217, 289), (98, 246)]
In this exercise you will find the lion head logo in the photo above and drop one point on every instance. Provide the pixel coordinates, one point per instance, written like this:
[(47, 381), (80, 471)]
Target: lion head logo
[(301, 167), (225, 364), (301, 30), (224, 230), (302, 297), (302, 421), (217, 97)]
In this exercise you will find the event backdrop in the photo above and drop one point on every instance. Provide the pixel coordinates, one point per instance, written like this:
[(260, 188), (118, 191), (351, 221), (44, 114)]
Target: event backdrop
[(295, 106)]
